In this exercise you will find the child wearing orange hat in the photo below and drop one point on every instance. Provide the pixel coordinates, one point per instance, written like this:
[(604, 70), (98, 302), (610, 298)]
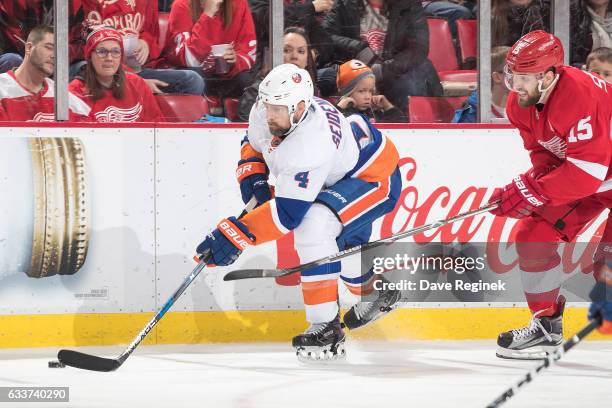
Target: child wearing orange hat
[(357, 86)]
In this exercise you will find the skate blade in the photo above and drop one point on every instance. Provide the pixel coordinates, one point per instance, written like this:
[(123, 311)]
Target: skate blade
[(321, 355), (533, 353)]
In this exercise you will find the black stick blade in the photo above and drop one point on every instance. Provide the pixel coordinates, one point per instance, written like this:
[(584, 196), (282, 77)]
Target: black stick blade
[(87, 361), (253, 273)]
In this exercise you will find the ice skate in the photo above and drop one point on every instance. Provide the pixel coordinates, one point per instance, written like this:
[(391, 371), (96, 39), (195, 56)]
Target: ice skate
[(367, 311), (543, 335), (321, 342)]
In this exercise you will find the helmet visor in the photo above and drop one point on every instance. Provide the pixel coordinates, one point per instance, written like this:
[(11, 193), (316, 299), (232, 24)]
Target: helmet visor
[(521, 82)]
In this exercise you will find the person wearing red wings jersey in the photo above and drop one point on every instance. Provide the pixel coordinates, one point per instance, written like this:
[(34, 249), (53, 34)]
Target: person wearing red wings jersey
[(112, 94), (27, 93), (564, 118)]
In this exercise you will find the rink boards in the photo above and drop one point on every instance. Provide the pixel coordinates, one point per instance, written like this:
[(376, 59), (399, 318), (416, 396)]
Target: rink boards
[(151, 194)]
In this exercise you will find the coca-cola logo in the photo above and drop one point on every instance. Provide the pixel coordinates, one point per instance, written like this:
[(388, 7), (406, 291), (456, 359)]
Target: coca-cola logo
[(414, 210)]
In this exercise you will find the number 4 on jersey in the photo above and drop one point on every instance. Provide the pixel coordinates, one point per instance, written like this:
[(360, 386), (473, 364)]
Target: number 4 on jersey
[(302, 179)]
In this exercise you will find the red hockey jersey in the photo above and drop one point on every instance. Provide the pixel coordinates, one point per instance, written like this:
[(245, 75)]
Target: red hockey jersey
[(129, 17), (138, 103), (19, 104), (190, 43), (572, 132)]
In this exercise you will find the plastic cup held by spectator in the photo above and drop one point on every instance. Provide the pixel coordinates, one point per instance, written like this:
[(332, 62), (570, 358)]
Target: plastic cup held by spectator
[(130, 42), (221, 65)]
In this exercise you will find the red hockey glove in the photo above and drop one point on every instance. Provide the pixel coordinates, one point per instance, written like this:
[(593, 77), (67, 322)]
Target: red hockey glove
[(519, 198)]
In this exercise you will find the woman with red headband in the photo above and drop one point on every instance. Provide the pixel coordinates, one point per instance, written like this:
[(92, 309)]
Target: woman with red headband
[(113, 94)]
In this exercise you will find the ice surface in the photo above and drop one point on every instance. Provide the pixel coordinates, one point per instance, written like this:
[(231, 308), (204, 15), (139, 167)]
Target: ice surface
[(421, 374)]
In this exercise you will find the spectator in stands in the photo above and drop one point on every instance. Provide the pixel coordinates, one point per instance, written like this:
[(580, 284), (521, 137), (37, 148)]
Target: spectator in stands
[(27, 93), (18, 18), (356, 85), (511, 19), (451, 10), (297, 51), (590, 28), (112, 94), (600, 62), (138, 22), (306, 14), (392, 38), (196, 26), (468, 113)]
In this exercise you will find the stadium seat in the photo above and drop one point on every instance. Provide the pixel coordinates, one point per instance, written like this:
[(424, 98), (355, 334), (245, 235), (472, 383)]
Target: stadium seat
[(163, 29), (441, 49), (459, 76), (230, 105), (458, 83), (433, 109), (182, 108), (215, 105), (467, 33)]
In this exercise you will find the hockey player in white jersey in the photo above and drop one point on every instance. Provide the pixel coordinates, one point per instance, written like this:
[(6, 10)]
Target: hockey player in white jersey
[(334, 177)]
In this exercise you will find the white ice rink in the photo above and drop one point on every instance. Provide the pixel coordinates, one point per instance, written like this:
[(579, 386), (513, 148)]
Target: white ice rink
[(375, 374)]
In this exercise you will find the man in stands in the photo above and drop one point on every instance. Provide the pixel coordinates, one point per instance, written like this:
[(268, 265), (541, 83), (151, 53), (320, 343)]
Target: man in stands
[(19, 17), (27, 93)]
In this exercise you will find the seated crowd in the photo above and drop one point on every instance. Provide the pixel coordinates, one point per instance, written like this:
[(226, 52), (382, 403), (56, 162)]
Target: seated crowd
[(366, 56)]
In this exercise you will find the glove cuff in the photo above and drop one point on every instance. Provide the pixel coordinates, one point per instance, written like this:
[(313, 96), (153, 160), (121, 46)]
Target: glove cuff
[(236, 233), (529, 190), (247, 168)]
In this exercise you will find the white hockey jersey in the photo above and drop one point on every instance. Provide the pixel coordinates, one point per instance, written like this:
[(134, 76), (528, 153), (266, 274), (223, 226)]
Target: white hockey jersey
[(319, 152)]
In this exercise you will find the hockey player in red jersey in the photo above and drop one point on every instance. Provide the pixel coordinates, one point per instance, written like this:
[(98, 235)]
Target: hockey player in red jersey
[(27, 93), (113, 94), (563, 115)]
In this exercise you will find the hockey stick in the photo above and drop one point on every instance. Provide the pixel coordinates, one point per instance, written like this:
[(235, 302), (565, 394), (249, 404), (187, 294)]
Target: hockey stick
[(272, 273), (94, 363), (550, 360)]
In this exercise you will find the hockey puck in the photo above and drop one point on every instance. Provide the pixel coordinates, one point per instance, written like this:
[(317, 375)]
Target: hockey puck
[(55, 364)]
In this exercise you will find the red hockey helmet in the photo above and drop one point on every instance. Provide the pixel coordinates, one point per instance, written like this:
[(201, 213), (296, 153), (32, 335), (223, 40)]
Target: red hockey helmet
[(535, 52)]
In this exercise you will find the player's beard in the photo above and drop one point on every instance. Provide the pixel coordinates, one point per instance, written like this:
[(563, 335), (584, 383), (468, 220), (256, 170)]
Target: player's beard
[(39, 63), (276, 130), (531, 100)]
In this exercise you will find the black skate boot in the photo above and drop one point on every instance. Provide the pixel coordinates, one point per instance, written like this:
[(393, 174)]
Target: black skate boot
[(321, 342), (543, 335), (368, 310)]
